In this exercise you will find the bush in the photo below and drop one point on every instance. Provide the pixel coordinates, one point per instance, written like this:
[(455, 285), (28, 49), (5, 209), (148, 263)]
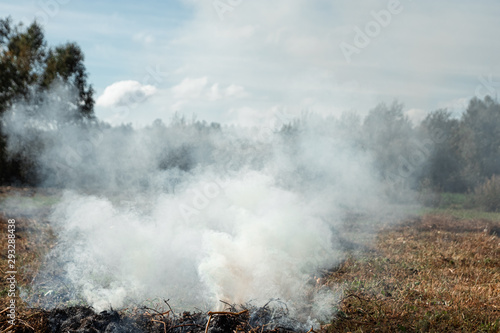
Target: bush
[(487, 195)]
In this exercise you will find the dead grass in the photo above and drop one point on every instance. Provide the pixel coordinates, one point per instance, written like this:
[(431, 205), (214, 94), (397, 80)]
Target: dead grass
[(34, 238), (431, 274), (437, 273)]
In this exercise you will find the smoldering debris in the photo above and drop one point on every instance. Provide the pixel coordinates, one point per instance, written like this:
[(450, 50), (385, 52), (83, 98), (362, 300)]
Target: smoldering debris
[(272, 317), (81, 319)]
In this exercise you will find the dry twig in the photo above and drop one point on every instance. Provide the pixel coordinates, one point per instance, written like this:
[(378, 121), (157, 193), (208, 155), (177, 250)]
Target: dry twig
[(227, 313), (164, 325)]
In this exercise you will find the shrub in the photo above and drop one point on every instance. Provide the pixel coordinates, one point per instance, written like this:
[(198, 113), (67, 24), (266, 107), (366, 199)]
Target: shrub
[(487, 195)]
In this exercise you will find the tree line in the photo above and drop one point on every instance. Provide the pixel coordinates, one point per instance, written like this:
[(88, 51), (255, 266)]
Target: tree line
[(443, 152)]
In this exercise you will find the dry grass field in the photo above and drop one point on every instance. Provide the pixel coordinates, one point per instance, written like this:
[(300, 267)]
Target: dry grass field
[(439, 272), (435, 273)]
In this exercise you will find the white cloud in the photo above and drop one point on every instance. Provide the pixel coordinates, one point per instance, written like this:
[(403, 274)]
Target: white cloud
[(416, 115), (288, 54), (235, 91), (214, 94), (198, 89), (190, 88), (123, 93)]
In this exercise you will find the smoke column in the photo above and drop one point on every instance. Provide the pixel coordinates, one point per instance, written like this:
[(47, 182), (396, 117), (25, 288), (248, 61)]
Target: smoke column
[(196, 213)]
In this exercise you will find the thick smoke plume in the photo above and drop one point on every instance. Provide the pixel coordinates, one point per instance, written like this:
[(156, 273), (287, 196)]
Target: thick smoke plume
[(196, 212)]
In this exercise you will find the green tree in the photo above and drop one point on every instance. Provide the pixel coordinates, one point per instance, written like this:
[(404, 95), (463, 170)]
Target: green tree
[(22, 54), (480, 140), (388, 135), (28, 68), (66, 63), (443, 167)]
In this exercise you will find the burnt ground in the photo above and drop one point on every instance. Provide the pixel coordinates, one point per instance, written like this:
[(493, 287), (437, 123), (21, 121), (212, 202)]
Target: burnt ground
[(82, 319)]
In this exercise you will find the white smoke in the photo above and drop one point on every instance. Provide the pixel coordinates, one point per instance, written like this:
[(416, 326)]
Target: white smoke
[(198, 213)]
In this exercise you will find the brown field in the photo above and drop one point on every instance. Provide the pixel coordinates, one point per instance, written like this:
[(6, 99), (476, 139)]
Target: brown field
[(436, 273), (433, 273)]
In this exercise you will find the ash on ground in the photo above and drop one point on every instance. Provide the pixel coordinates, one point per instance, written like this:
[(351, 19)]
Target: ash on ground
[(272, 317)]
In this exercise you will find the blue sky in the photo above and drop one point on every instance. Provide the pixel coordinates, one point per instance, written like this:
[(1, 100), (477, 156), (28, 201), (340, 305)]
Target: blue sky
[(253, 61)]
